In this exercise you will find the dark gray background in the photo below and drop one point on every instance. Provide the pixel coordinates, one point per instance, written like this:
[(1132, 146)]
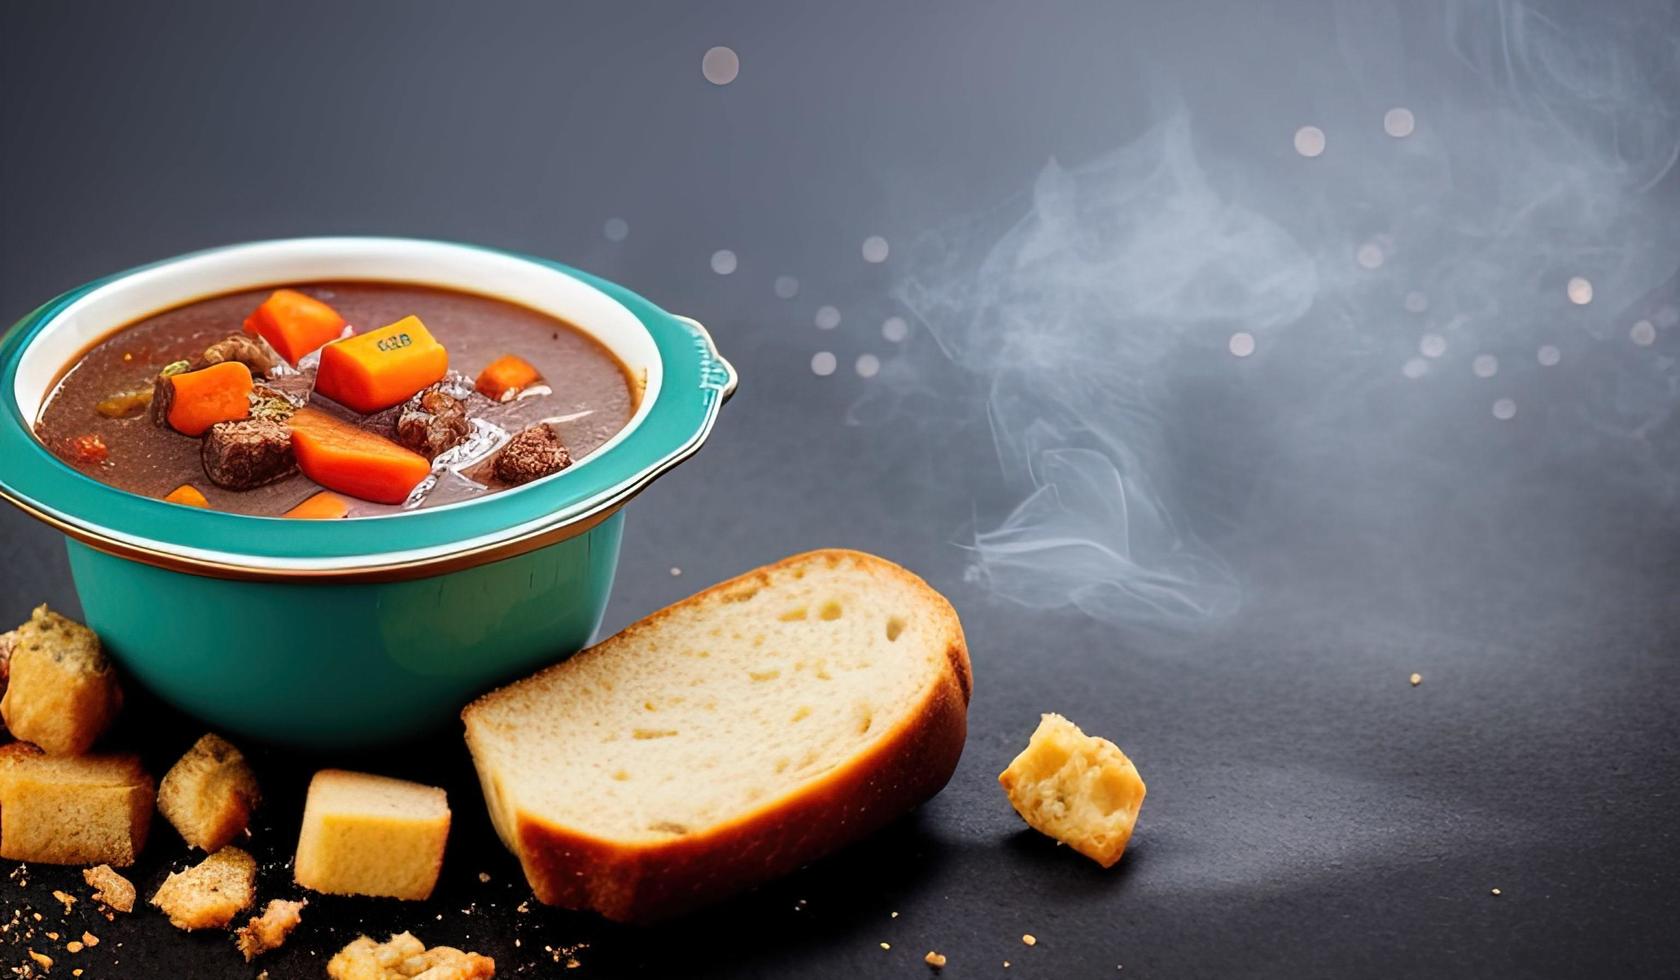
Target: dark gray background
[(1309, 811)]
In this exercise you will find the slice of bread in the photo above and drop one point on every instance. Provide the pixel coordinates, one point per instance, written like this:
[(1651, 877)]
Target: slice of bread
[(371, 835), (61, 691), (208, 795), (88, 809), (727, 739)]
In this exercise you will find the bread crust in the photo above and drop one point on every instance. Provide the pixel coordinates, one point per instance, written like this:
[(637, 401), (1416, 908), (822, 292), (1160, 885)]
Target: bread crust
[(643, 882)]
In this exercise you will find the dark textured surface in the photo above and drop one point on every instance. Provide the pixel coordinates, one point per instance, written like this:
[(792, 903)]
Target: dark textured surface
[(1310, 813)]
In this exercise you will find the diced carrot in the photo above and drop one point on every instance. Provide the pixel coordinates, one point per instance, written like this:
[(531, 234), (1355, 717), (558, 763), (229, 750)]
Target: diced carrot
[(187, 494), (294, 324), (324, 506), (352, 460), (505, 377), (218, 393), (382, 367)]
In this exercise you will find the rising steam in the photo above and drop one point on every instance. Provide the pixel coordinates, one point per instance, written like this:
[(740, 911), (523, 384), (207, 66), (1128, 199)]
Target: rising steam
[(1081, 315)]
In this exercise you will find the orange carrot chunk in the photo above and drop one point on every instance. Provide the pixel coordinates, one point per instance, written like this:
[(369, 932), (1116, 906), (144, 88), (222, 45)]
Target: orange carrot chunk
[(218, 393), (187, 494), (324, 506), (352, 460), (505, 377), (294, 324), (382, 367)]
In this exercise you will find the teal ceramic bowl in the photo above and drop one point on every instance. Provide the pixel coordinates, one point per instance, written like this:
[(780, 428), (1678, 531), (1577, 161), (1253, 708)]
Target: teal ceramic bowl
[(331, 634)]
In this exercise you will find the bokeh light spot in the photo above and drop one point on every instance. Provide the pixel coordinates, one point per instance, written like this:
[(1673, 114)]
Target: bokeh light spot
[(1548, 356), (1242, 343), (827, 318), (616, 229), (1309, 141), (875, 249), (895, 329), (868, 365), (1370, 255), (786, 287), (1485, 365), (823, 363), (1398, 122), (1643, 333), (1416, 302), (1580, 291), (1504, 409), (720, 65), (1415, 368), (723, 262), (1432, 345)]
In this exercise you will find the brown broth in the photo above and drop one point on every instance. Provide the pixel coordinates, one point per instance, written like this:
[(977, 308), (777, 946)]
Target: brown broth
[(585, 378)]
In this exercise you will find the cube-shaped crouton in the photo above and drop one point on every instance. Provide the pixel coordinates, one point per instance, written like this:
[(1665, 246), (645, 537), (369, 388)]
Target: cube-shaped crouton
[(1077, 788), (61, 692), (210, 893), (370, 835), (91, 809), (209, 794)]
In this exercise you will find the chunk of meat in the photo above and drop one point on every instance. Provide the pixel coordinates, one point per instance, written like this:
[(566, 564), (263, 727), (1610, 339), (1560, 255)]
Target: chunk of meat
[(163, 393), (432, 422), (247, 454), (253, 352), (535, 452)]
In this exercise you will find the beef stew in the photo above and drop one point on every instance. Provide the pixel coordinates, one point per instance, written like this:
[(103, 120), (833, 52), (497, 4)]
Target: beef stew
[(439, 396)]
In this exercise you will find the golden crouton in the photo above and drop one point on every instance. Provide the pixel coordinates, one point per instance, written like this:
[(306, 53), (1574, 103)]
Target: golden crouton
[(88, 809), (209, 894), (61, 693), (209, 794)]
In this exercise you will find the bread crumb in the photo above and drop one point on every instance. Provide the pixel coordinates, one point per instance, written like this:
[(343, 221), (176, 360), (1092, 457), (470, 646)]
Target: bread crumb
[(89, 939), (53, 936), (1417, 679), (675, 571), (43, 959), (110, 888), (1030, 939), (269, 930), (935, 960), (484, 877), (886, 945), (68, 900), (1496, 891), (895, 915), (1006, 964), (73, 946)]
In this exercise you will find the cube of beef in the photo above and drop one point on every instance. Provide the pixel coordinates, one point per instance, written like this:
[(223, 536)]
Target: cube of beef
[(253, 352), (534, 452), (247, 454), (432, 422)]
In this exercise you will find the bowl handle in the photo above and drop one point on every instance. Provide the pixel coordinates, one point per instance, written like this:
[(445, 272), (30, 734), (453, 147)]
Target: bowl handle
[(716, 373)]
